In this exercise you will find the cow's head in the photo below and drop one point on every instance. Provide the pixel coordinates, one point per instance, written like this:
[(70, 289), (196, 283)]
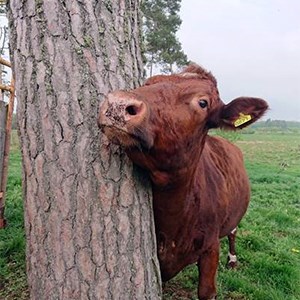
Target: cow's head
[(163, 124)]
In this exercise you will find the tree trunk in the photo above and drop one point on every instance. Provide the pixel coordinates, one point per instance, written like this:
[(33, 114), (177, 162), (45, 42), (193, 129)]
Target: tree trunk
[(88, 213)]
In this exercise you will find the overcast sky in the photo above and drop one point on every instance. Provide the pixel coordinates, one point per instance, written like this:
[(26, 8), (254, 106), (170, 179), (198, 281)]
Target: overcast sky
[(251, 46)]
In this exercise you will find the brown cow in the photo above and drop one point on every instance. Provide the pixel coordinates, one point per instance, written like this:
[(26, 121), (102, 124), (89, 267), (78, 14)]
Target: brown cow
[(200, 187)]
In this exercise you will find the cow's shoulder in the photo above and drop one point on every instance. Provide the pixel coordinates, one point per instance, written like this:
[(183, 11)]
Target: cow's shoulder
[(221, 160), (221, 148)]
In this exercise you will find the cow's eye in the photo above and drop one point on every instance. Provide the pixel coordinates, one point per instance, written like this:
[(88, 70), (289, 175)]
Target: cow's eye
[(202, 103)]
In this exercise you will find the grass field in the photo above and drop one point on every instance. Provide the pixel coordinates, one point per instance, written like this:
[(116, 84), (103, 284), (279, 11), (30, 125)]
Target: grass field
[(268, 242), (12, 239)]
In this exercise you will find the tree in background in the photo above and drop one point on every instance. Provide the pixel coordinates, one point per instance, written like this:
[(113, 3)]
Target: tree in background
[(161, 46), (3, 48), (3, 28), (88, 212)]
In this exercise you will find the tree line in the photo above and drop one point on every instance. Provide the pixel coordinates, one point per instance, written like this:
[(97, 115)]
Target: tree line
[(276, 124)]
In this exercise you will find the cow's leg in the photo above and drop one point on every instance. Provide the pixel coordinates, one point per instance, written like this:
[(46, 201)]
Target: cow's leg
[(207, 266), (232, 259)]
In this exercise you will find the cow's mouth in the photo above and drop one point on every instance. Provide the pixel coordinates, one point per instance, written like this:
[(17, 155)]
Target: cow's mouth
[(126, 139), (119, 137)]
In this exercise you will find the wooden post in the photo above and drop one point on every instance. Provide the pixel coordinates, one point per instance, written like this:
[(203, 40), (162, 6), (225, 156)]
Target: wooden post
[(3, 113), (6, 115)]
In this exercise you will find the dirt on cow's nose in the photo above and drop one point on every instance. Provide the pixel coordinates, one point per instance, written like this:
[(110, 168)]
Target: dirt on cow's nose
[(120, 110)]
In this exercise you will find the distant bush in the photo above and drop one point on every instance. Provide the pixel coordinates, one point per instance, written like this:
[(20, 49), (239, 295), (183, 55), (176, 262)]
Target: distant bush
[(275, 125)]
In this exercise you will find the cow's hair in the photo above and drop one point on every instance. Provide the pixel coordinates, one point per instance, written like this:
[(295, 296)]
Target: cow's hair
[(191, 71), (194, 70)]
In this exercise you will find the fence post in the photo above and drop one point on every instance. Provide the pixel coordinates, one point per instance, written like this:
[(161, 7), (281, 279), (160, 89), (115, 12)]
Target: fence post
[(3, 113), (6, 119)]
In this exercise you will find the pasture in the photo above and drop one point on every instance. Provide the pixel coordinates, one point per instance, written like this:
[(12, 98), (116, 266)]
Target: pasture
[(268, 242)]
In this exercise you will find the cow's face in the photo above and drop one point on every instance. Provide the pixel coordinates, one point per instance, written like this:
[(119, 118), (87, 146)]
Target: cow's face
[(163, 124), (158, 114)]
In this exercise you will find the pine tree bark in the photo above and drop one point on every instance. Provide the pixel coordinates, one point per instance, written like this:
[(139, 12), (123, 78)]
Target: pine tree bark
[(88, 215)]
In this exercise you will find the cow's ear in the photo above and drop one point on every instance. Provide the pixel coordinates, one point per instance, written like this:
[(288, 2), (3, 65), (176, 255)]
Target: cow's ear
[(239, 113)]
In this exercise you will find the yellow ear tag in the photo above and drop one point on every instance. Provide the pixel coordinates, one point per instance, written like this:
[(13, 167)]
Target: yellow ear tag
[(242, 119)]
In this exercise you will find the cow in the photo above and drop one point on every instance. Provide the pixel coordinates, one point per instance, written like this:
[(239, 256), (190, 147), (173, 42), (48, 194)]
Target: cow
[(200, 186)]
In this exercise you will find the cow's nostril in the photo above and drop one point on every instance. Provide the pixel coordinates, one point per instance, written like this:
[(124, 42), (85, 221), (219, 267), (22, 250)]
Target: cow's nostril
[(132, 110)]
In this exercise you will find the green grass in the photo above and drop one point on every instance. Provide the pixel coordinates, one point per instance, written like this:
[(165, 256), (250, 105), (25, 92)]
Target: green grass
[(12, 238), (268, 241)]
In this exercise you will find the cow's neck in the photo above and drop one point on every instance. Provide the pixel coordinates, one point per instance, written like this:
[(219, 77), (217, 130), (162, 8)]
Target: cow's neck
[(174, 223), (173, 201), (170, 201), (175, 195)]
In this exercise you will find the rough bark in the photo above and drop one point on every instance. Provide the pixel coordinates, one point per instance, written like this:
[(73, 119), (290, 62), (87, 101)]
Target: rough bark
[(89, 222)]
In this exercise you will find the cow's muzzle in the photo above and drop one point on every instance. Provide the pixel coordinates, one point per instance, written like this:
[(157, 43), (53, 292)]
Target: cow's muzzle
[(122, 111)]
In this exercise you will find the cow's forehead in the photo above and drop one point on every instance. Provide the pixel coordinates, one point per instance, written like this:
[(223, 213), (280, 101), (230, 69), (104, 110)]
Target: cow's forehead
[(174, 89), (181, 78), (196, 86)]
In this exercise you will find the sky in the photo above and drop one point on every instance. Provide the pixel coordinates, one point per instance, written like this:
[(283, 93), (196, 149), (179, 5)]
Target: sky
[(5, 55), (251, 46)]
